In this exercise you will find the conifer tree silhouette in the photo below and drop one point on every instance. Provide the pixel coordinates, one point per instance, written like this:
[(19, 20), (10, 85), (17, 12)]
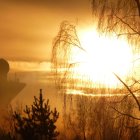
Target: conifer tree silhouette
[(38, 121)]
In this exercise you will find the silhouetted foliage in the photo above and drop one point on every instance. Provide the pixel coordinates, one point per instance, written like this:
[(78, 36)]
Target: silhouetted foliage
[(123, 18), (38, 121), (119, 16)]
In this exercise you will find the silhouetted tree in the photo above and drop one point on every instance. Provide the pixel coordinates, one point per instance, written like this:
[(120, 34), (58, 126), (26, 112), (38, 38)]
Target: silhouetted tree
[(123, 18), (38, 121), (119, 16)]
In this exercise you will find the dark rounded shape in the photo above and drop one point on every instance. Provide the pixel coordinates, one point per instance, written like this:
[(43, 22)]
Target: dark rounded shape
[(4, 66)]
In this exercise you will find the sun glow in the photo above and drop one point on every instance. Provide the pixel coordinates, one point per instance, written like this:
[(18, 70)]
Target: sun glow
[(102, 56)]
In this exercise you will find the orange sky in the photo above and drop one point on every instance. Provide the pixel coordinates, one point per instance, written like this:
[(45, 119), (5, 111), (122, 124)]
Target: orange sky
[(27, 27)]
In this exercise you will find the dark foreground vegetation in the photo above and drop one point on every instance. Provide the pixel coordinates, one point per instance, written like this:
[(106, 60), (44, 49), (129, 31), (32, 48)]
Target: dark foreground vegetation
[(84, 118), (33, 123), (101, 118)]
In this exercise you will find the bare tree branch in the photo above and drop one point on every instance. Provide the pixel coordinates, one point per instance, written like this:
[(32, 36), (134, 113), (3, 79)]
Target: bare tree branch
[(130, 91), (128, 25), (125, 114)]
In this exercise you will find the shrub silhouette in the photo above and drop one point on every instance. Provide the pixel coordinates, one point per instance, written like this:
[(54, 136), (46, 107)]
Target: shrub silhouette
[(38, 121)]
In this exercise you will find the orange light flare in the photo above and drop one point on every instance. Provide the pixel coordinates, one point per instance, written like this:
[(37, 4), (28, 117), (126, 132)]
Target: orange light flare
[(103, 55)]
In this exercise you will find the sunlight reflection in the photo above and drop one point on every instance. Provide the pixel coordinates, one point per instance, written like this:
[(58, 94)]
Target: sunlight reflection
[(80, 92)]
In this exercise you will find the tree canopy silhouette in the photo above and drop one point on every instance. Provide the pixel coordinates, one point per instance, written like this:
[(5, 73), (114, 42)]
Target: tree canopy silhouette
[(37, 122)]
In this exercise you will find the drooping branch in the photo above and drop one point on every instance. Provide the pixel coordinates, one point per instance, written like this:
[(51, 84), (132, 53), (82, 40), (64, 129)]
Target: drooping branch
[(65, 43), (128, 25), (118, 16), (130, 91)]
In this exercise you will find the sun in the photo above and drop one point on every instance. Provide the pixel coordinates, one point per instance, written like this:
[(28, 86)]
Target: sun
[(102, 57)]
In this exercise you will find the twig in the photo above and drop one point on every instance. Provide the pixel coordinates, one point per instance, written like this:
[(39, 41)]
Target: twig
[(135, 31), (125, 114)]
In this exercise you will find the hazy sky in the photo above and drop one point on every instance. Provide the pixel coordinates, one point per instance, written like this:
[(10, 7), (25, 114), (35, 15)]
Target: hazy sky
[(27, 27)]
